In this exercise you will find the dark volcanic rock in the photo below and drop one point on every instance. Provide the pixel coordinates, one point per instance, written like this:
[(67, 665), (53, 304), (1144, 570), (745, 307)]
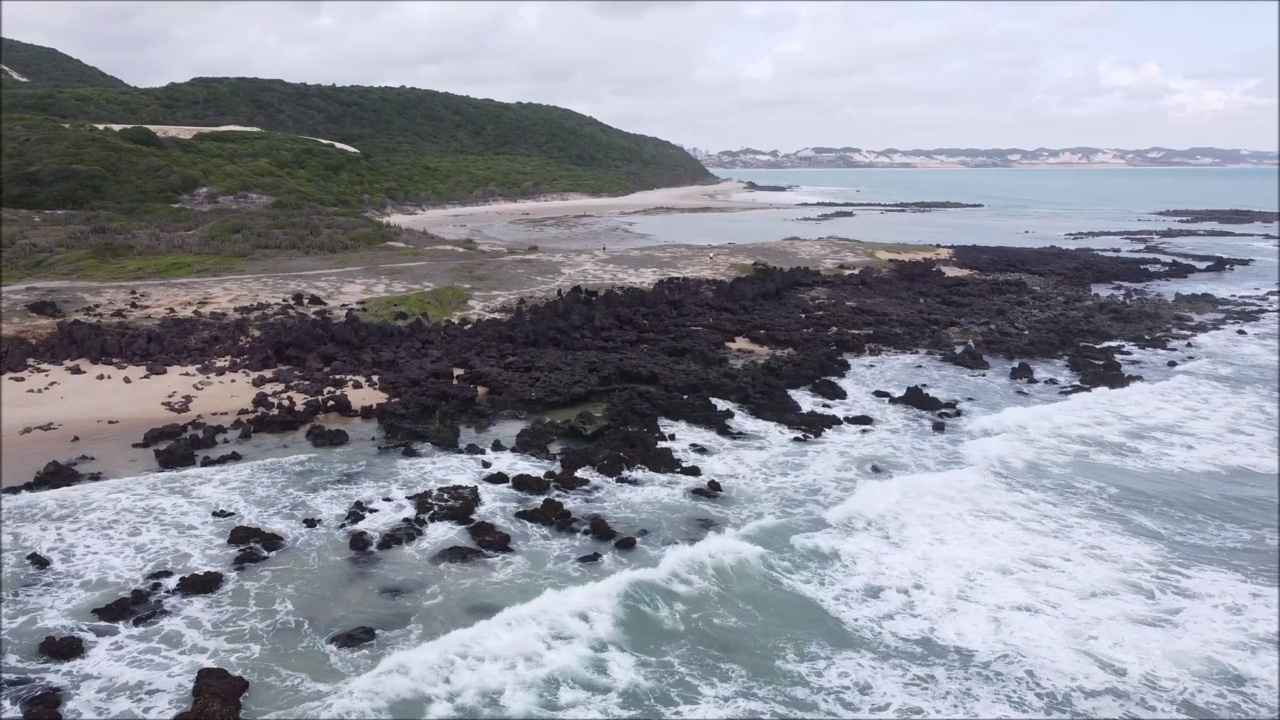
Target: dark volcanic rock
[(311, 523), (164, 433), (402, 533), (320, 437), (458, 554), (646, 354), (626, 543), (917, 398), (354, 637), (242, 535), (496, 478), (215, 695), (859, 420), (44, 308), (827, 388), (939, 426), (359, 541), (223, 459), (42, 703), (136, 607), (52, 476), (593, 557), (967, 357), (551, 513), (204, 583), (61, 649), (531, 484), (488, 537), (600, 530), (222, 513), (38, 561), (177, 454), (534, 439), (1023, 371)]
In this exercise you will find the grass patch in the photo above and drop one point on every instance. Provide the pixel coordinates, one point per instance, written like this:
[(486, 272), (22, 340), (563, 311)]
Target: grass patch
[(742, 269), (410, 252), (178, 242), (87, 265), (434, 304)]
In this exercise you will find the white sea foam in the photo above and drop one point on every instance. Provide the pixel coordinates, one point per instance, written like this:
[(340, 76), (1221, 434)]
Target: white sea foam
[(1045, 556), (497, 666)]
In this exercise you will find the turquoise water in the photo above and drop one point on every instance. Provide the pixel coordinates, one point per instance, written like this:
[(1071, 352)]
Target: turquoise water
[(1128, 190), (1044, 204), (1112, 553)]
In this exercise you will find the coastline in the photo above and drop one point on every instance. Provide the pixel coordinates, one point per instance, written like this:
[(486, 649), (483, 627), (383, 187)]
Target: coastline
[(108, 416), (687, 198), (1044, 166)]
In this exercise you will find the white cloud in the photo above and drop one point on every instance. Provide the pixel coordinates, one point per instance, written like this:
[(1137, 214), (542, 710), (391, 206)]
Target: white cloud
[(724, 74)]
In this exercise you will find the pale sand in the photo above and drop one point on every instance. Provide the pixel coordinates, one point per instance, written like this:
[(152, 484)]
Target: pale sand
[(80, 405), (692, 197), (186, 132), (939, 254), (748, 347)]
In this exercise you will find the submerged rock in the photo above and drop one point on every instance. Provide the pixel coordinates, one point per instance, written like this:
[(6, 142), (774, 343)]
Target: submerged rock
[(354, 637), (458, 554)]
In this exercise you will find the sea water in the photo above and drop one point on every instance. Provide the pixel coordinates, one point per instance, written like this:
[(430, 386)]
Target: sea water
[(1109, 553)]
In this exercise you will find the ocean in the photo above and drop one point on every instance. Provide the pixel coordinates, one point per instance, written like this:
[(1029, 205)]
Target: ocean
[(1111, 553)]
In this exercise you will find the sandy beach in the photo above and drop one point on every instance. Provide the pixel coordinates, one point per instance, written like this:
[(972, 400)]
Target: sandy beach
[(688, 199), (108, 415)]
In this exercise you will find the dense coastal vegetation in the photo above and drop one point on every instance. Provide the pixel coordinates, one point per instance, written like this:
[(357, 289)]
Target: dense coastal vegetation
[(46, 67), (415, 147)]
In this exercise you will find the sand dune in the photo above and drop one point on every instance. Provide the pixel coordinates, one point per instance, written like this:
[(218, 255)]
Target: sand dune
[(190, 131)]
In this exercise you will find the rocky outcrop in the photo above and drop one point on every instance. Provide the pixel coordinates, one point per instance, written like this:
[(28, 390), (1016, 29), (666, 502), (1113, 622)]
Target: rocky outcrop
[(205, 583), (916, 397), (321, 437), (52, 476), (1023, 371), (215, 695), (138, 608), (653, 353), (61, 649), (488, 537), (967, 357), (458, 554), (38, 561)]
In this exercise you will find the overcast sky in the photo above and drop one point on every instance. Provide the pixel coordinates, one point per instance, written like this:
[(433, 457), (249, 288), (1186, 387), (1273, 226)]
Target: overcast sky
[(723, 75)]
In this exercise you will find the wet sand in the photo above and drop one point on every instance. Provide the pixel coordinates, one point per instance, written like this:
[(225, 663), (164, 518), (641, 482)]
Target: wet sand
[(108, 415)]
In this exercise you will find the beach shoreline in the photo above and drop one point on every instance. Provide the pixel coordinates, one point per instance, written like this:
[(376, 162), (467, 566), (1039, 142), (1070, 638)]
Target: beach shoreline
[(108, 416), (688, 198)]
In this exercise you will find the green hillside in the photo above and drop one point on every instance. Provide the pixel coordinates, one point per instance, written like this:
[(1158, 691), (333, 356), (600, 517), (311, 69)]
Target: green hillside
[(48, 166), (46, 67), (415, 147), (432, 146)]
